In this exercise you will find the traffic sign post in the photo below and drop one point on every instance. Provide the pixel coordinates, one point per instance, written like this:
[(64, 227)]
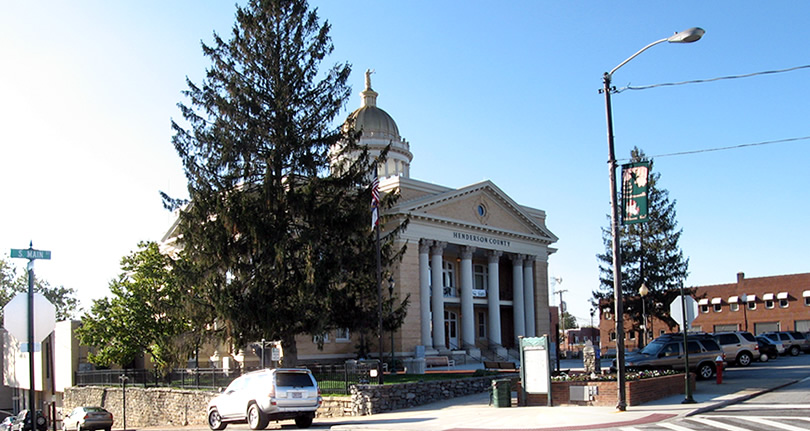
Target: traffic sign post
[(684, 309), (31, 254)]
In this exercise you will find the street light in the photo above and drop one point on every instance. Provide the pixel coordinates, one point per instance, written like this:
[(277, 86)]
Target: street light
[(643, 291), (691, 35), (391, 313), (744, 299)]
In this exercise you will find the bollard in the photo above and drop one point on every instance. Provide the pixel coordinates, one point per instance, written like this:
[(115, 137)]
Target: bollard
[(719, 362)]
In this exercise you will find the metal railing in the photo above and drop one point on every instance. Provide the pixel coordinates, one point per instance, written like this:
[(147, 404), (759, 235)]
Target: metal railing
[(335, 378)]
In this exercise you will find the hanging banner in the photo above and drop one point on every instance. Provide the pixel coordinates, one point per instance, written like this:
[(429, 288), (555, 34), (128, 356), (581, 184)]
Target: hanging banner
[(634, 192)]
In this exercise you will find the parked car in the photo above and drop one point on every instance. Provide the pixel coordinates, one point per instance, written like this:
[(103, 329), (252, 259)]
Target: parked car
[(261, 396), (767, 349), (793, 345), (666, 352), (22, 422), (805, 343), (740, 347), (774, 338), (88, 418), (5, 425)]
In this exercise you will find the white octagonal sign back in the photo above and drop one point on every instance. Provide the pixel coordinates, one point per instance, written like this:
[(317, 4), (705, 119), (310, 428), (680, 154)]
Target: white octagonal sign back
[(15, 317)]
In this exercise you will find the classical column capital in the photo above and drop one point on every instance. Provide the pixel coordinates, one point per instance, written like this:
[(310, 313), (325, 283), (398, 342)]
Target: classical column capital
[(517, 258), (438, 247), (528, 259), (425, 244), (494, 255), (467, 252)]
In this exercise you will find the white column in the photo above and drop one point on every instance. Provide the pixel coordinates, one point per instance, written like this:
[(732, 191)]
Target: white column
[(467, 309), (518, 309), (437, 294), (424, 291), (493, 299), (528, 295)]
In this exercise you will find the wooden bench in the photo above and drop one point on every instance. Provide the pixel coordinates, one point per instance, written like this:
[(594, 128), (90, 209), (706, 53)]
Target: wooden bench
[(439, 361), (497, 365)]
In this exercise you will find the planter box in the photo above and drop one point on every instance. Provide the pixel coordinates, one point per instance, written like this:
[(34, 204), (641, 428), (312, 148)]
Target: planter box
[(605, 394)]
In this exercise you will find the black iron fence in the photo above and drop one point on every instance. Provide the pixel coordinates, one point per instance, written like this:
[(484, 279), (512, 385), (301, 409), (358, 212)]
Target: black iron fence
[(332, 379)]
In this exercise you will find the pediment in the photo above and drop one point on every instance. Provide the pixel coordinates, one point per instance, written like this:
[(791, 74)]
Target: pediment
[(481, 205)]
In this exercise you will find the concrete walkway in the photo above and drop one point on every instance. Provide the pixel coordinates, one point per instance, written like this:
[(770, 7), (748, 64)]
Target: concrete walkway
[(474, 412)]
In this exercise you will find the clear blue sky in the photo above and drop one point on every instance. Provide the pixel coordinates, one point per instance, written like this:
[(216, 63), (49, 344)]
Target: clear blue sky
[(505, 93)]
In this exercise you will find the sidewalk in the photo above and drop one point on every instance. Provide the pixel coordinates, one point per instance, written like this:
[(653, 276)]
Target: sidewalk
[(474, 412)]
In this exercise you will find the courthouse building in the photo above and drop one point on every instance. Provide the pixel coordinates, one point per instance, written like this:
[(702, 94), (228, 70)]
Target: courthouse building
[(487, 254)]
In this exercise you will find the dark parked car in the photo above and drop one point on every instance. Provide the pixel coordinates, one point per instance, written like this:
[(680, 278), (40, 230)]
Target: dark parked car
[(767, 349), (22, 422), (88, 418)]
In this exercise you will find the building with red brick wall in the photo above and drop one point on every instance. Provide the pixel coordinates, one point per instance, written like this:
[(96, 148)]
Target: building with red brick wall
[(757, 305)]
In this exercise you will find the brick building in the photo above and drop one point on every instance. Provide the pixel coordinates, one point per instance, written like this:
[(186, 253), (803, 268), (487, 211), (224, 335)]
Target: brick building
[(757, 305)]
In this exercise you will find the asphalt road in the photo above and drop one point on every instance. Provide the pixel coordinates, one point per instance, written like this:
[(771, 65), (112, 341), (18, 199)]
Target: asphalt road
[(786, 408)]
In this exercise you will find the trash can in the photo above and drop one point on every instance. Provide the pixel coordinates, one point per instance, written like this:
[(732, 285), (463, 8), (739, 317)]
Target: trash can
[(414, 365), (501, 393)]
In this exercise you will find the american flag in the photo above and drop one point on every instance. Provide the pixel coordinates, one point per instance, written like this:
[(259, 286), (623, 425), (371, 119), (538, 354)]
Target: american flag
[(375, 201)]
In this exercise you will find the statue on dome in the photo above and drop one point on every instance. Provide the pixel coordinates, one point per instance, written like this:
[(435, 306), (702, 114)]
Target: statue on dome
[(368, 78)]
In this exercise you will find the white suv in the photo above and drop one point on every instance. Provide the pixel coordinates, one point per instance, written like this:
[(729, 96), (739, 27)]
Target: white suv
[(261, 396)]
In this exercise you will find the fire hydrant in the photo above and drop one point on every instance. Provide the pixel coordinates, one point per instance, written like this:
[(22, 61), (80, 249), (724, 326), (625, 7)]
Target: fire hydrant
[(719, 362)]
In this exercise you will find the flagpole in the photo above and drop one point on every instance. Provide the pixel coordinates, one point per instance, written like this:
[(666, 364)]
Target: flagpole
[(375, 219)]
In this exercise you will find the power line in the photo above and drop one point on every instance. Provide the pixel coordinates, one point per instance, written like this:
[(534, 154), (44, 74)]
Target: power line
[(701, 81), (733, 147)]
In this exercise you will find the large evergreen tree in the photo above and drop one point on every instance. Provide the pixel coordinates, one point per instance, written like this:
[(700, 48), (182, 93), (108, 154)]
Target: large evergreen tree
[(276, 242), (650, 254)]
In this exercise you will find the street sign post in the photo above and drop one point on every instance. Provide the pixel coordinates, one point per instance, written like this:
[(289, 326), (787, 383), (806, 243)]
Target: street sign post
[(684, 310), (31, 254)]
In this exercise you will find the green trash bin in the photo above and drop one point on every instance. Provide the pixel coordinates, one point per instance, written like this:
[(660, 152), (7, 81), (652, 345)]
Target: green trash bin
[(501, 393)]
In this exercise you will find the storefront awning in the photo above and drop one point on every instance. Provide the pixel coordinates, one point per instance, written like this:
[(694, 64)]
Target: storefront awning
[(733, 299), (782, 295), (704, 301), (767, 297), (806, 293), (751, 298), (717, 300)]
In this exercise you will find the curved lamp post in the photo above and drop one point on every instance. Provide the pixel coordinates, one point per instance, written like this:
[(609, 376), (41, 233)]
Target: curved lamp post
[(691, 35)]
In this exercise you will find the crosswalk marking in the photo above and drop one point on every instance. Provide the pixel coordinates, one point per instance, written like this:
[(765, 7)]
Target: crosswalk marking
[(799, 418), (674, 427), (719, 425), (775, 424)]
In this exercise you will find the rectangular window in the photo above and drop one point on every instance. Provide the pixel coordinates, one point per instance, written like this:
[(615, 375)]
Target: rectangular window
[(480, 281), (318, 338), (632, 335), (752, 305), (704, 309), (718, 308), (769, 303), (734, 306), (612, 336), (783, 303), (449, 278), (342, 335)]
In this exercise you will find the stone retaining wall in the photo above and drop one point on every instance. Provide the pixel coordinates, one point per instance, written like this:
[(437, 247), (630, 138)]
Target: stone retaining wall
[(173, 407)]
